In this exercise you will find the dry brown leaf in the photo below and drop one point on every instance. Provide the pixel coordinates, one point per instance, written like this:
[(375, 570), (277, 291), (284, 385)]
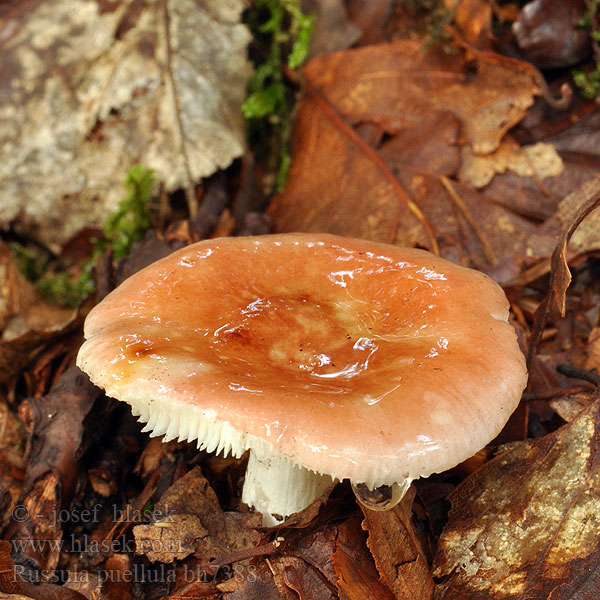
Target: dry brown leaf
[(172, 538), (400, 83), (592, 362), (341, 184), (357, 576), (584, 239), (27, 321), (587, 236), (397, 551), (568, 408), (333, 31), (92, 87), (13, 588), (527, 524), (474, 20), (219, 533)]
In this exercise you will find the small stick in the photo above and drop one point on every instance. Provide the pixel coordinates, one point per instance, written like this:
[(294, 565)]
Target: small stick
[(576, 373)]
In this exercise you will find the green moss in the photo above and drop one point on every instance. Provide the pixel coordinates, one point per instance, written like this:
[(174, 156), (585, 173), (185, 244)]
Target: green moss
[(281, 37), (121, 230), (589, 83), (128, 224)]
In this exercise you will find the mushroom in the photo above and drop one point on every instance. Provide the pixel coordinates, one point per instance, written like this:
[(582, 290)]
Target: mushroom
[(327, 358)]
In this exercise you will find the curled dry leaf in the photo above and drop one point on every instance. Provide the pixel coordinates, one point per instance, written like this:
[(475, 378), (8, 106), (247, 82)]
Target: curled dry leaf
[(526, 525), (357, 577), (397, 550), (586, 237), (569, 407), (423, 102), (474, 20), (560, 276), (89, 87)]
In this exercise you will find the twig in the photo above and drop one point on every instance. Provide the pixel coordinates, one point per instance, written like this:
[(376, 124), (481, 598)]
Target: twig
[(556, 393), (487, 249), (263, 550), (576, 373)]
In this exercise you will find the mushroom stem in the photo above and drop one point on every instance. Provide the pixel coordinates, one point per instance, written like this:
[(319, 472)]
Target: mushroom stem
[(278, 487)]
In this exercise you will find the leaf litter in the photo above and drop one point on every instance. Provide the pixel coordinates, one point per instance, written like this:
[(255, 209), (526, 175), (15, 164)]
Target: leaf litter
[(384, 138)]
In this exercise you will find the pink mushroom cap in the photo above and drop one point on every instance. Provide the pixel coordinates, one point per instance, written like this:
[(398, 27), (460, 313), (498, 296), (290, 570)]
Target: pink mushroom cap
[(351, 358)]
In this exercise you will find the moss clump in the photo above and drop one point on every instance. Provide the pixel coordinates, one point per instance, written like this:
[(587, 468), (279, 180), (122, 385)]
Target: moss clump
[(121, 230), (281, 37)]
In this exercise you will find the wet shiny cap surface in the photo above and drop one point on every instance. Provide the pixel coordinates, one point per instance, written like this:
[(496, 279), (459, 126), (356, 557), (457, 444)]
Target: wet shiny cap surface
[(352, 358)]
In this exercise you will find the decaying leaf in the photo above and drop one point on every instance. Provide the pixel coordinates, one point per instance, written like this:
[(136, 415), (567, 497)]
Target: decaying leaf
[(90, 88), (172, 538), (13, 588), (422, 102), (527, 524), (400, 83), (539, 159), (397, 551), (56, 445), (357, 576), (191, 508), (27, 322)]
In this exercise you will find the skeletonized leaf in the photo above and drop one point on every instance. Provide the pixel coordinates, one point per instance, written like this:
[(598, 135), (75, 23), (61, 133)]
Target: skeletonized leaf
[(89, 88)]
